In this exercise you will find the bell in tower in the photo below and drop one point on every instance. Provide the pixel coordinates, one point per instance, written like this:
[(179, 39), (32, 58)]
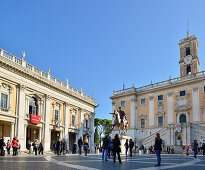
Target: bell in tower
[(189, 61)]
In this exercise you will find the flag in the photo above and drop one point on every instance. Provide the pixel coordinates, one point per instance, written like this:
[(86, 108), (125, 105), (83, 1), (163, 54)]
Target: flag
[(182, 72)]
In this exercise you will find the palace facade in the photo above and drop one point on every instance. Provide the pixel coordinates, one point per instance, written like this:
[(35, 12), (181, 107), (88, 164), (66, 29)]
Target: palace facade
[(36, 105), (175, 108)]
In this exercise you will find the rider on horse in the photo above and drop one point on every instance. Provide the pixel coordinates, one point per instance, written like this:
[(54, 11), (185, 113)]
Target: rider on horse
[(122, 114)]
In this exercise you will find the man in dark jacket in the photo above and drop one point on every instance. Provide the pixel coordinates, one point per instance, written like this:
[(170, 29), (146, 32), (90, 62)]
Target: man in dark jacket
[(195, 149), (131, 145), (80, 144), (203, 148), (158, 148), (105, 147), (58, 145)]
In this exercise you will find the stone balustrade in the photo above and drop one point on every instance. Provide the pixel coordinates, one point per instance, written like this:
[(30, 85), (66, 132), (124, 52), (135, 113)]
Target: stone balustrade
[(161, 84), (23, 63)]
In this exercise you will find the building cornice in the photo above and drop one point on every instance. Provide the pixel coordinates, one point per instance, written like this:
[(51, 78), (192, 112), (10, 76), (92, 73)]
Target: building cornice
[(16, 68)]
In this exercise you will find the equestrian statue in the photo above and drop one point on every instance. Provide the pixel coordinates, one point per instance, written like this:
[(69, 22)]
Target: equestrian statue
[(120, 121)]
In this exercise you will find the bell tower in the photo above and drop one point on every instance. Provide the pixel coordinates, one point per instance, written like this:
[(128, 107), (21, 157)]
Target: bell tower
[(189, 61)]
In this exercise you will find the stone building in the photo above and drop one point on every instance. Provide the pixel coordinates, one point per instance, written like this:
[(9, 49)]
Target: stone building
[(36, 105), (175, 108)]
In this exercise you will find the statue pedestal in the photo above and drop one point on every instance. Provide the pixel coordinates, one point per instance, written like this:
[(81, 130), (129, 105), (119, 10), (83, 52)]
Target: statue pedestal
[(122, 141)]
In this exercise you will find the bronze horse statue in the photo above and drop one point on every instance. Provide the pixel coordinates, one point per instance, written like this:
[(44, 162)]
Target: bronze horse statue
[(117, 122)]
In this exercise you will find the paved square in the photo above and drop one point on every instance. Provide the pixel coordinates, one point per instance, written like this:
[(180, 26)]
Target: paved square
[(94, 162)]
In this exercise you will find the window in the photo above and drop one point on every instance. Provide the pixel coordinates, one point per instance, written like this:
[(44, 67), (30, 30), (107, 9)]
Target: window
[(142, 101), (73, 119), (86, 124), (160, 97), (182, 119), (188, 69), (187, 51), (33, 107), (56, 115), (182, 93), (204, 89), (4, 99), (160, 121), (142, 123), (122, 103)]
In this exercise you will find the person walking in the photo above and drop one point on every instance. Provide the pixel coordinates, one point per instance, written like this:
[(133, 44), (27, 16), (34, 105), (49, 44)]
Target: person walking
[(14, 146), (131, 145), (187, 150), (80, 144), (126, 147), (203, 148), (195, 148), (63, 147), (158, 148), (116, 148), (29, 147), (40, 149), (58, 147), (35, 146), (2, 146), (18, 147), (86, 146), (105, 148), (8, 147)]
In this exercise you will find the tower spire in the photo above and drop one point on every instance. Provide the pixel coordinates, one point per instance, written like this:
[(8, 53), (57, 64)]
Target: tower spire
[(187, 27)]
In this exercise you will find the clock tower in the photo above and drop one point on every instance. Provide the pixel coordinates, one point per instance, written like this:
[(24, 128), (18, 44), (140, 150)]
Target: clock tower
[(189, 61)]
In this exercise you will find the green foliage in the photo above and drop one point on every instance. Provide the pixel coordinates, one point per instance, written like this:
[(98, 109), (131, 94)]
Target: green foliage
[(103, 127)]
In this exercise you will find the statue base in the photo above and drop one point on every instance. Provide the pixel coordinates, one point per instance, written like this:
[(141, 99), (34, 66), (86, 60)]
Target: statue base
[(122, 141)]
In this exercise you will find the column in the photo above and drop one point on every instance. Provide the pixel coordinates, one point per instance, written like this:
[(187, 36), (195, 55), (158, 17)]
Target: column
[(21, 115), (92, 144), (80, 122), (25, 134), (195, 101), (47, 121), (66, 105), (133, 113), (113, 109), (172, 135), (151, 111), (168, 136), (188, 134), (12, 131), (39, 134), (170, 113)]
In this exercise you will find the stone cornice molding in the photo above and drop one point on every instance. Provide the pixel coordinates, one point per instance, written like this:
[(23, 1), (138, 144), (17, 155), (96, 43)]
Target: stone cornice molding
[(151, 97), (141, 116), (195, 88), (35, 77), (170, 94)]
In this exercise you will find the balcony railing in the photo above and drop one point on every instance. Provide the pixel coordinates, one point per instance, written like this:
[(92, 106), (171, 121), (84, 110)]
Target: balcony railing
[(161, 84), (23, 63)]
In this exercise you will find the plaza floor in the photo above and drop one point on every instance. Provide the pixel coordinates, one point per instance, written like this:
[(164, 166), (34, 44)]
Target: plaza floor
[(94, 162)]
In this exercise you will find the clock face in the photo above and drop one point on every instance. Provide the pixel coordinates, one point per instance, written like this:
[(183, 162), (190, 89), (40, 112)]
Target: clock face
[(188, 59)]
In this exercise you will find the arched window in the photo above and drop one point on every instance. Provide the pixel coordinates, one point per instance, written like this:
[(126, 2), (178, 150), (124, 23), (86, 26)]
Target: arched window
[(187, 51), (182, 119), (33, 107)]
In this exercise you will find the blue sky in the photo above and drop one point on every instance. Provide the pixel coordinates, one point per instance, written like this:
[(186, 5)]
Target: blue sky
[(99, 44)]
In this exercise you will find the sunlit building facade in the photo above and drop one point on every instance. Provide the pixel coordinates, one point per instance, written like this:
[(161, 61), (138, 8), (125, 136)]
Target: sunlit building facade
[(36, 105)]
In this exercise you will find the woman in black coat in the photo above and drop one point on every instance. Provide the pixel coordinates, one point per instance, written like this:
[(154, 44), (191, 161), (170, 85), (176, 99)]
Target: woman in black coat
[(116, 148)]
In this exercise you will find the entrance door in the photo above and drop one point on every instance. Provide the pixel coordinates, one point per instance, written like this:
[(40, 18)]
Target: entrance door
[(55, 135), (72, 140)]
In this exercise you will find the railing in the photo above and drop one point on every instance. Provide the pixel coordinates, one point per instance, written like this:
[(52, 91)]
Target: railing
[(42, 73), (161, 84)]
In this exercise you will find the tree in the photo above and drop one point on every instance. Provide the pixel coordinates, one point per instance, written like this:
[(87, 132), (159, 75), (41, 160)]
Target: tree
[(103, 127)]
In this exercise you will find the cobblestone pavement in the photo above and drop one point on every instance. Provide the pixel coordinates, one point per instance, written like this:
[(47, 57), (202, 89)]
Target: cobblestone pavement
[(94, 162)]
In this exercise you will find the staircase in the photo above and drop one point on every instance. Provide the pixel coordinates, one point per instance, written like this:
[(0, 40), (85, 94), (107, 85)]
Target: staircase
[(149, 140)]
